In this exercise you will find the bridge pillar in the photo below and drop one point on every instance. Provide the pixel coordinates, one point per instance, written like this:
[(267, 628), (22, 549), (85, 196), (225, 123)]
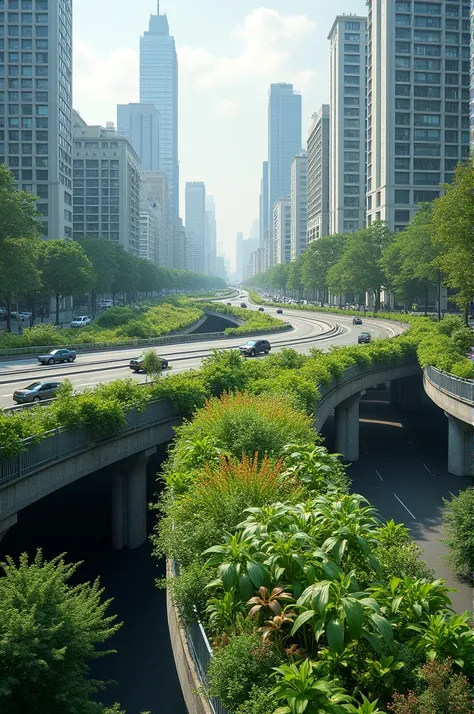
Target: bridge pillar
[(347, 428), (460, 447), (129, 502), (6, 524)]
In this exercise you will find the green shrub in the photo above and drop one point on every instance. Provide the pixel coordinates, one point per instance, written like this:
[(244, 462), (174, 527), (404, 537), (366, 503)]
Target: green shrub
[(464, 369), (444, 692), (115, 317), (462, 339), (459, 528), (240, 666), (186, 391), (188, 592), (224, 371), (260, 701)]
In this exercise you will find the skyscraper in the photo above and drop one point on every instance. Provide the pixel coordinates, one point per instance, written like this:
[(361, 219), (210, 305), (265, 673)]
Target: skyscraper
[(239, 256), (140, 123), (210, 249), (36, 108), (282, 230), (417, 103), (284, 140), (318, 175), (347, 81), (195, 194), (264, 237), (299, 205), (159, 86)]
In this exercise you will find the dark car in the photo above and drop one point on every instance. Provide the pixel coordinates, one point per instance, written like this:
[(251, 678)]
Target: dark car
[(243, 304), (357, 321), (137, 364), (261, 309), (279, 311), (364, 338), (229, 303), (56, 356), (36, 392), (255, 347)]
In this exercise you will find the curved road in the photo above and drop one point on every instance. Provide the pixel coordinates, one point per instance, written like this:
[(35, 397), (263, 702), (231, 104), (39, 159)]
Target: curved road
[(310, 330)]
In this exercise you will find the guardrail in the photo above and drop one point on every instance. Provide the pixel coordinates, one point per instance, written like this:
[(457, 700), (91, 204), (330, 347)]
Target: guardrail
[(462, 389), (201, 652), (61, 442)]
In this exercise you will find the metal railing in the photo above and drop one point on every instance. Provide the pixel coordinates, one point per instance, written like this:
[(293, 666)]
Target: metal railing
[(201, 653), (462, 389), (62, 442)]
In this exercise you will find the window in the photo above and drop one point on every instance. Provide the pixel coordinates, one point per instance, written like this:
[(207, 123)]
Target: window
[(402, 48), (427, 92), (428, 22), (451, 122), (402, 19), (351, 69), (420, 178), (402, 164), (402, 216), (402, 33), (426, 36), (430, 64), (352, 25), (402, 90), (424, 196), (427, 149), (427, 78), (402, 196), (402, 177), (402, 134), (402, 149), (427, 134), (426, 164), (451, 137), (403, 6), (428, 8), (402, 62), (354, 49), (402, 76), (350, 37), (427, 50), (403, 119), (427, 105), (451, 150), (402, 104)]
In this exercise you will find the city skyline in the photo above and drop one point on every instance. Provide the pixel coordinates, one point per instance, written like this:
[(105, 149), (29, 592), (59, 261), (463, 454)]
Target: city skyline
[(217, 83)]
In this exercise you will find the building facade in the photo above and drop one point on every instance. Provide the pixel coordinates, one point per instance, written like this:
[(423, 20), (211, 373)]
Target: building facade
[(299, 205), (140, 124), (239, 256), (159, 86), (154, 190), (36, 106), (318, 175), (417, 103), (149, 233), (263, 228), (347, 100), (282, 230), (284, 141), (210, 248), (179, 245), (195, 221), (106, 195)]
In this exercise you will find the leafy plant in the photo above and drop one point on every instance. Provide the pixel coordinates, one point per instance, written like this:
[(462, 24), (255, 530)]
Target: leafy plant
[(459, 529), (303, 691)]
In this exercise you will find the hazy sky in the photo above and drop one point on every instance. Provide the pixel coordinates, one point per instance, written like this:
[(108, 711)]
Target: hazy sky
[(228, 52)]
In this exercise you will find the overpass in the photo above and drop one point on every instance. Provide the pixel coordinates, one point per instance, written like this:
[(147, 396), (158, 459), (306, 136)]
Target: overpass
[(68, 454)]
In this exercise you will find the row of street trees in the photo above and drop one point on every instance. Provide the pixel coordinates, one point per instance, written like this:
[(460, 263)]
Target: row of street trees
[(436, 248), (35, 270)]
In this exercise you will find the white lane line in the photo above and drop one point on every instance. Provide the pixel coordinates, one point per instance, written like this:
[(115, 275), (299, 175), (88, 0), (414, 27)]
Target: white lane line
[(405, 507), (365, 447), (378, 475), (452, 494), (430, 472)]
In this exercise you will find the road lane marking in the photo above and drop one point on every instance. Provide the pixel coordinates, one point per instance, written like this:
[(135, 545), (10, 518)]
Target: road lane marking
[(378, 475), (405, 507), (430, 472), (365, 448), (452, 494)]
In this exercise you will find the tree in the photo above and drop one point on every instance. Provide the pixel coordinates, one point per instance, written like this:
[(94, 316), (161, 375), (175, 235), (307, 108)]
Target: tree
[(18, 214), (18, 270), (50, 630), (278, 277), (102, 255), (294, 282), (126, 278), (359, 269), (148, 277), (152, 364), (453, 232), (321, 255), (66, 270)]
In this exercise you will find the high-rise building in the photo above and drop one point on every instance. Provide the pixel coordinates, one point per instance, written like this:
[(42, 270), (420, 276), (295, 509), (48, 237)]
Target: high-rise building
[(284, 140), (195, 221), (154, 190), (264, 233), (36, 106), (282, 230), (318, 175), (299, 205), (149, 231), (106, 195), (179, 245), (249, 246), (159, 86), (239, 256), (472, 75), (210, 249), (140, 123), (417, 103), (347, 99)]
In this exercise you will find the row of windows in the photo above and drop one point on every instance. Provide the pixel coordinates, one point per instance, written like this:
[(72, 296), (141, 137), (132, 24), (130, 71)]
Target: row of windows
[(26, 18), (430, 78), (428, 8), (27, 174), (40, 109), (94, 163), (404, 90), (25, 4), (425, 164), (450, 121), (26, 44), (26, 31), (430, 150), (450, 137), (95, 145)]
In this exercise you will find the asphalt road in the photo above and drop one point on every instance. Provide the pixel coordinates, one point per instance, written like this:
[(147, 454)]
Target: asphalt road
[(310, 330)]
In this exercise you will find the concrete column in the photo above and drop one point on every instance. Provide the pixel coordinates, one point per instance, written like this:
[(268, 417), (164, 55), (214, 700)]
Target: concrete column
[(460, 447), (6, 524), (347, 428), (129, 502), (410, 390)]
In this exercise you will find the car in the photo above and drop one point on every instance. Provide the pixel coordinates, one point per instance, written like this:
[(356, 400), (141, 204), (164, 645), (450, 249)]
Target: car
[(82, 321), (229, 303), (36, 392), (261, 309), (106, 304), (364, 338), (243, 304), (357, 321), (137, 364), (254, 347), (19, 316), (56, 356), (279, 311)]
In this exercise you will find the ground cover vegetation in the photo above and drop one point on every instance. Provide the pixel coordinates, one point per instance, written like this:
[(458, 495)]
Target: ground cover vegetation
[(311, 601)]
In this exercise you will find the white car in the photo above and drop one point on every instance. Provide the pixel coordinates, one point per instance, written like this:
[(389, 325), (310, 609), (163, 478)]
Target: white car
[(81, 321)]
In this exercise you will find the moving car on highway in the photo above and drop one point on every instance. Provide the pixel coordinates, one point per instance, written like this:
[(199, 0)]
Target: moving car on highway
[(82, 321), (56, 356), (255, 347), (36, 392), (261, 309), (243, 304), (137, 364), (357, 321), (364, 338), (279, 311)]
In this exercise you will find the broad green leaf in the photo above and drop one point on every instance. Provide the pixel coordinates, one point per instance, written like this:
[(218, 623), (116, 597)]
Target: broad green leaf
[(245, 586), (256, 573), (335, 635), (228, 574), (301, 620), (354, 614), (383, 626)]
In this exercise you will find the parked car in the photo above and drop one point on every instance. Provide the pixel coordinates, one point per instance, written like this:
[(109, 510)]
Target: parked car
[(137, 364), (82, 321), (357, 321), (261, 309), (25, 315), (56, 356), (279, 311), (17, 316), (364, 338), (36, 392), (105, 304), (243, 304), (254, 347)]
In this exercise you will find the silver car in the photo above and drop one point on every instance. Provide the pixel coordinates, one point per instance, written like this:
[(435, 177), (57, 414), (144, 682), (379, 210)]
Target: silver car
[(36, 392)]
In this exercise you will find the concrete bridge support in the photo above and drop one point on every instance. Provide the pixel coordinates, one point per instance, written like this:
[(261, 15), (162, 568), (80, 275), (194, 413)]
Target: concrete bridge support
[(129, 502), (6, 524), (460, 447), (407, 393), (347, 428)]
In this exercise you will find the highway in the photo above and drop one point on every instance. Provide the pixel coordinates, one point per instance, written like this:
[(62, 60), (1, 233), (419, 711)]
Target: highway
[(310, 330)]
